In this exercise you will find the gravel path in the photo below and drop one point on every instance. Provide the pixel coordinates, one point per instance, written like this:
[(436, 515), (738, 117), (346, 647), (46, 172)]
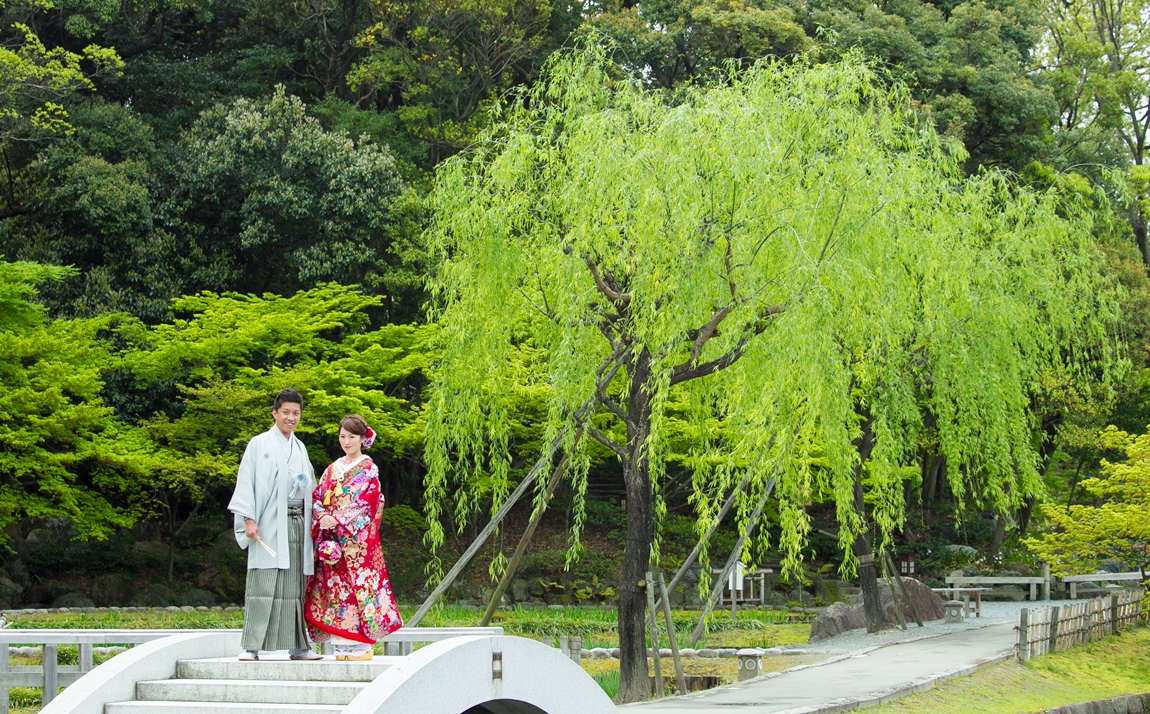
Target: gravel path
[(992, 613)]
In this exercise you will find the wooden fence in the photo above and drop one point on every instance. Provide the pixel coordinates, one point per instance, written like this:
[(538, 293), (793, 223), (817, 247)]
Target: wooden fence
[(1054, 629)]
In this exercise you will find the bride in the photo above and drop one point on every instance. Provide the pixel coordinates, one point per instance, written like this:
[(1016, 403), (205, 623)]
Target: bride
[(349, 599)]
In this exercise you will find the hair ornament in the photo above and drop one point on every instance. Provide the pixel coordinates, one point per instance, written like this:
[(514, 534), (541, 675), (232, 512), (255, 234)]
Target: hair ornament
[(368, 438)]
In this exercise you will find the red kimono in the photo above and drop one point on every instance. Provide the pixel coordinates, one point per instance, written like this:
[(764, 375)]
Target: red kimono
[(350, 594)]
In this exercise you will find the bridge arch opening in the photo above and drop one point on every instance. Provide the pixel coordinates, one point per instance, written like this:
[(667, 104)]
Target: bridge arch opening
[(505, 706)]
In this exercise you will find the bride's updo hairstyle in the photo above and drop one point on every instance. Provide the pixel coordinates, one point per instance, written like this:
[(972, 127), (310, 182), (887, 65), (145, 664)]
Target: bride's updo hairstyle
[(354, 424)]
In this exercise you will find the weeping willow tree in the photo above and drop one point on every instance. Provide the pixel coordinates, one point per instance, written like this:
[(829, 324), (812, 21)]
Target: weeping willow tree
[(791, 255)]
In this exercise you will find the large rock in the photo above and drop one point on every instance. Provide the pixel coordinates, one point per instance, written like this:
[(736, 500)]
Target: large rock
[(10, 590), (929, 604), (72, 600), (153, 595), (839, 618), (196, 597), (112, 589)]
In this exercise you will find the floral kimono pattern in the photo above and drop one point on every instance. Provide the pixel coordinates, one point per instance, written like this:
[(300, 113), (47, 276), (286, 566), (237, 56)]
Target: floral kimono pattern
[(350, 594)]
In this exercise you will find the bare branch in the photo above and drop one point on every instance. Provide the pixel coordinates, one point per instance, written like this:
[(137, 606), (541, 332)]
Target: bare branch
[(617, 297), (608, 442), (686, 371), (706, 333)]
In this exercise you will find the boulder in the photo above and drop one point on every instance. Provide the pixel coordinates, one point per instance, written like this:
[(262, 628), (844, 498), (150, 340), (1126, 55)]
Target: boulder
[(837, 619), (153, 595), (1021, 569), (10, 591), (928, 603), (72, 601), (519, 590), (691, 597), (112, 589), (964, 549), (196, 597)]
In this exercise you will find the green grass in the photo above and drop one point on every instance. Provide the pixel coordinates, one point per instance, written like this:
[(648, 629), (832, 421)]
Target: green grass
[(1116, 665), (609, 681)]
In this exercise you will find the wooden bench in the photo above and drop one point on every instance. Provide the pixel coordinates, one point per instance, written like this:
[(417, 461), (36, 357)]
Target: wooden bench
[(967, 581), (50, 675), (966, 593), (1100, 577)]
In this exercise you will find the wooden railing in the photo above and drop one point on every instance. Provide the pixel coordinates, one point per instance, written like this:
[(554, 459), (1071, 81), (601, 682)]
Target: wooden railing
[(1054, 629)]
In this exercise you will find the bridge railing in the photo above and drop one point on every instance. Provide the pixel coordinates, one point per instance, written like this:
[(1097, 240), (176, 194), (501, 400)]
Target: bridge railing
[(51, 675)]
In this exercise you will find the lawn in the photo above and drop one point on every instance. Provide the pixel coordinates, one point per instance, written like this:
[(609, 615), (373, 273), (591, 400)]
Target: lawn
[(1117, 665)]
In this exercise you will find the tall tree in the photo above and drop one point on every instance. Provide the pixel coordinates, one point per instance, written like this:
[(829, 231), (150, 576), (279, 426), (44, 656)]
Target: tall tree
[(754, 252), (62, 452), (1098, 61)]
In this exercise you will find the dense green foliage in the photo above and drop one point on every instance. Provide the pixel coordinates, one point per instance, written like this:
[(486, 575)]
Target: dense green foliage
[(207, 201)]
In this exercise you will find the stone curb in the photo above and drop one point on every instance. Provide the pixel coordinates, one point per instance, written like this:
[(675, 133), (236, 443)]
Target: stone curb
[(1128, 704), (94, 610)]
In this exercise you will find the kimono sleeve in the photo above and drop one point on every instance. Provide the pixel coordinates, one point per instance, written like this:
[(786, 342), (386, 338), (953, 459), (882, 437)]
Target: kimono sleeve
[(243, 503)]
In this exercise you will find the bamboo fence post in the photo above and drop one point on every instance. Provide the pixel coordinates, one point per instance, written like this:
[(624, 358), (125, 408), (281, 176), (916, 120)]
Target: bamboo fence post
[(680, 680), (1023, 635), (653, 624), (1054, 612)]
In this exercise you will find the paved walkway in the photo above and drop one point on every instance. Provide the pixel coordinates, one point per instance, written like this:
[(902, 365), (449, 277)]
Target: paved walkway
[(841, 684)]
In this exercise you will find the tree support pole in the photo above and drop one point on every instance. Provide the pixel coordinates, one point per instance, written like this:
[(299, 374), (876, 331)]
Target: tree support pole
[(710, 531), (893, 593), (653, 624), (680, 680), (717, 588), (536, 517), (902, 586), (615, 362)]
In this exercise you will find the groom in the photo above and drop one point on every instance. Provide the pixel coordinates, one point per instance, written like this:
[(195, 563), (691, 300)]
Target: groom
[(272, 508)]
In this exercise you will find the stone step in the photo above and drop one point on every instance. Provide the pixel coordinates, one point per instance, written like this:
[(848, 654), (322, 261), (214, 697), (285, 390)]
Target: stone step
[(216, 708), (284, 670), (248, 691)]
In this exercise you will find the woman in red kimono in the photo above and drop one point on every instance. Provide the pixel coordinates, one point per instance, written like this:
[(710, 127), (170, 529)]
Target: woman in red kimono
[(349, 599)]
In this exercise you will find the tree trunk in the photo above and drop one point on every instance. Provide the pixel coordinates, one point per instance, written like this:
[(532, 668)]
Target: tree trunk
[(999, 536), (868, 575), (1138, 223), (634, 679), (929, 463)]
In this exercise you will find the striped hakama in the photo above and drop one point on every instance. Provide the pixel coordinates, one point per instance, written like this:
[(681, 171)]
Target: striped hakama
[(273, 606)]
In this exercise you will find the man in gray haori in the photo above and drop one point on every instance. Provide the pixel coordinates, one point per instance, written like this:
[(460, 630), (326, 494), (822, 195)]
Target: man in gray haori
[(272, 507)]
